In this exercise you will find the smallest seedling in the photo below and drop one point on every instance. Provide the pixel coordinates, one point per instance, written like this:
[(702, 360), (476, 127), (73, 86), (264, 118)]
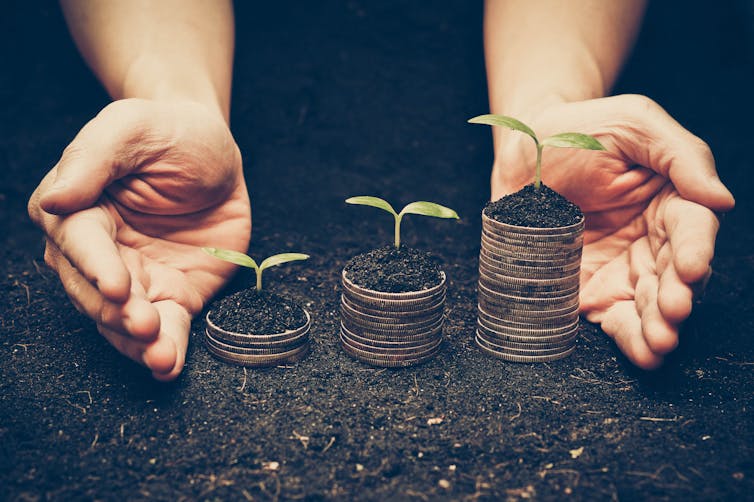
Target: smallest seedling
[(419, 207), (247, 261)]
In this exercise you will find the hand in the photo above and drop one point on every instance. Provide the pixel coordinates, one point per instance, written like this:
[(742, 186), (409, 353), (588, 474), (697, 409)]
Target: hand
[(125, 211), (648, 201)]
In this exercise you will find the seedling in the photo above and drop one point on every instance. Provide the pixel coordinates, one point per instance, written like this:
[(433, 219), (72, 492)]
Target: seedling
[(248, 261), (419, 207), (562, 140)]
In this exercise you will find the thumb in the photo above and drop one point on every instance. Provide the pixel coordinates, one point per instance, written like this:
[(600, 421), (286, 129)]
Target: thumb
[(92, 161), (666, 147)]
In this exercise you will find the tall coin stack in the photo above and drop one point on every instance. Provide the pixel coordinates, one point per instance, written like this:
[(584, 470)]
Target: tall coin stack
[(391, 329), (528, 291), (258, 350)]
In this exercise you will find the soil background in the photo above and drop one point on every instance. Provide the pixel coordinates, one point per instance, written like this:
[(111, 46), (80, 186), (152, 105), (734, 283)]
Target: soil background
[(349, 97)]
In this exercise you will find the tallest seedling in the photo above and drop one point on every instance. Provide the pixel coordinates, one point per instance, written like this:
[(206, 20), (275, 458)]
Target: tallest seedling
[(562, 140)]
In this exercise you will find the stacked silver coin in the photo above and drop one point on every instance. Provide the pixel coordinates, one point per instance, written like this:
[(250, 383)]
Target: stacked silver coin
[(258, 350), (391, 329), (528, 291)]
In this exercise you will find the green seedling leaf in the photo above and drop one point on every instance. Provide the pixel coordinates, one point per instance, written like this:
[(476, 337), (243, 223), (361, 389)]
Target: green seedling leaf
[(282, 258), (573, 140), (502, 120), (247, 261), (232, 257), (429, 209), (366, 200)]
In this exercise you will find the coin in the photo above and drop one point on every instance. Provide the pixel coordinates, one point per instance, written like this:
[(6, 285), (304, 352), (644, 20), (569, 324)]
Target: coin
[(525, 259), (539, 283), (415, 351), (260, 351), (390, 311), (388, 357), (540, 248), (391, 341), (543, 272), (507, 310), (523, 323), (525, 359), (528, 290), (506, 227), (388, 331), (395, 305), (505, 325), (410, 295), (535, 344), (219, 332), (395, 319), (524, 336), (291, 356), (388, 363), (553, 301)]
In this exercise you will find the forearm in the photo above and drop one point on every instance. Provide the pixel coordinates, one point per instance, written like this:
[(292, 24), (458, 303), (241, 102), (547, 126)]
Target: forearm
[(167, 49), (546, 51)]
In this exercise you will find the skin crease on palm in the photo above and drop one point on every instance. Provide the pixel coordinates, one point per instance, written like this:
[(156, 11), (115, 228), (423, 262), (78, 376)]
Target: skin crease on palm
[(650, 232), (173, 182)]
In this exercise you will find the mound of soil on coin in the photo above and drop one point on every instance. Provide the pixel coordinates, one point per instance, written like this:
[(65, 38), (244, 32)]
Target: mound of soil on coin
[(257, 312), (394, 270), (532, 207)]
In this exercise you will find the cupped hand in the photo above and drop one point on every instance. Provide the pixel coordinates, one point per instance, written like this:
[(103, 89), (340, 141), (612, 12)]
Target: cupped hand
[(648, 201), (142, 186)]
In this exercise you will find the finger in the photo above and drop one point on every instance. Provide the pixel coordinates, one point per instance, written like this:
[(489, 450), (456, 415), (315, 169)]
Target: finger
[(622, 323), (87, 241), (691, 230), (672, 151), (660, 335), (675, 297), (134, 318), (167, 360), (94, 159)]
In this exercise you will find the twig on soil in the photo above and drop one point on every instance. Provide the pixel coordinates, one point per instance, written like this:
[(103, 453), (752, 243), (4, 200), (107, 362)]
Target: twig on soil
[(656, 475), (89, 394), (39, 270), (412, 493), (545, 398), (329, 444), (512, 418), (304, 439), (77, 406), (658, 419), (122, 429), (24, 346), (243, 385), (94, 442), (736, 363), (26, 288)]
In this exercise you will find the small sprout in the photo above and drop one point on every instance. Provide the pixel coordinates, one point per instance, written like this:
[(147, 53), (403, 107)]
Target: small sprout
[(247, 261), (419, 207), (562, 140)]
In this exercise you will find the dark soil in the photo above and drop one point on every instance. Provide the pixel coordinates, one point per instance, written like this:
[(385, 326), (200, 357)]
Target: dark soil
[(330, 99), (540, 207), (257, 313), (394, 270)]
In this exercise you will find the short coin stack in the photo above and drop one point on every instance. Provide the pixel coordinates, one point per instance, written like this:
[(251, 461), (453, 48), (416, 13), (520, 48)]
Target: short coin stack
[(528, 291), (391, 329), (258, 350)]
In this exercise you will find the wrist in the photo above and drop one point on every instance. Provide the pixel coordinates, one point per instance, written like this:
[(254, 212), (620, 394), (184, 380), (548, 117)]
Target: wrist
[(148, 78)]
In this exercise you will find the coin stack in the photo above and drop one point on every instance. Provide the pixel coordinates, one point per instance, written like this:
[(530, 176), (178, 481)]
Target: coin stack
[(528, 291), (258, 350), (391, 329)]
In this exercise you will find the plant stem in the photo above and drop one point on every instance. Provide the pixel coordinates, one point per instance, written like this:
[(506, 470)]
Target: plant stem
[(259, 279), (538, 172), (398, 219)]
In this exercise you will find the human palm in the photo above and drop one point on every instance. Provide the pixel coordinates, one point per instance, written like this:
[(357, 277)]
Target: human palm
[(142, 187), (646, 246)]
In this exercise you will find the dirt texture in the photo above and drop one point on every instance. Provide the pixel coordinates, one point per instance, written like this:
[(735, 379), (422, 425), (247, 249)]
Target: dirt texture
[(257, 313), (540, 207), (340, 97), (394, 270)]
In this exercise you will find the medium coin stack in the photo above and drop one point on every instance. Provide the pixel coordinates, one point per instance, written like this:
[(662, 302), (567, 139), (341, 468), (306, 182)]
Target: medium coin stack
[(391, 329), (528, 291), (258, 350)]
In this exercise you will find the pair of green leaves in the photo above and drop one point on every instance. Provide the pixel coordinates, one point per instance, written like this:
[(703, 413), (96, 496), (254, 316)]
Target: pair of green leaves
[(247, 261), (419, 207), (562, 140)]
